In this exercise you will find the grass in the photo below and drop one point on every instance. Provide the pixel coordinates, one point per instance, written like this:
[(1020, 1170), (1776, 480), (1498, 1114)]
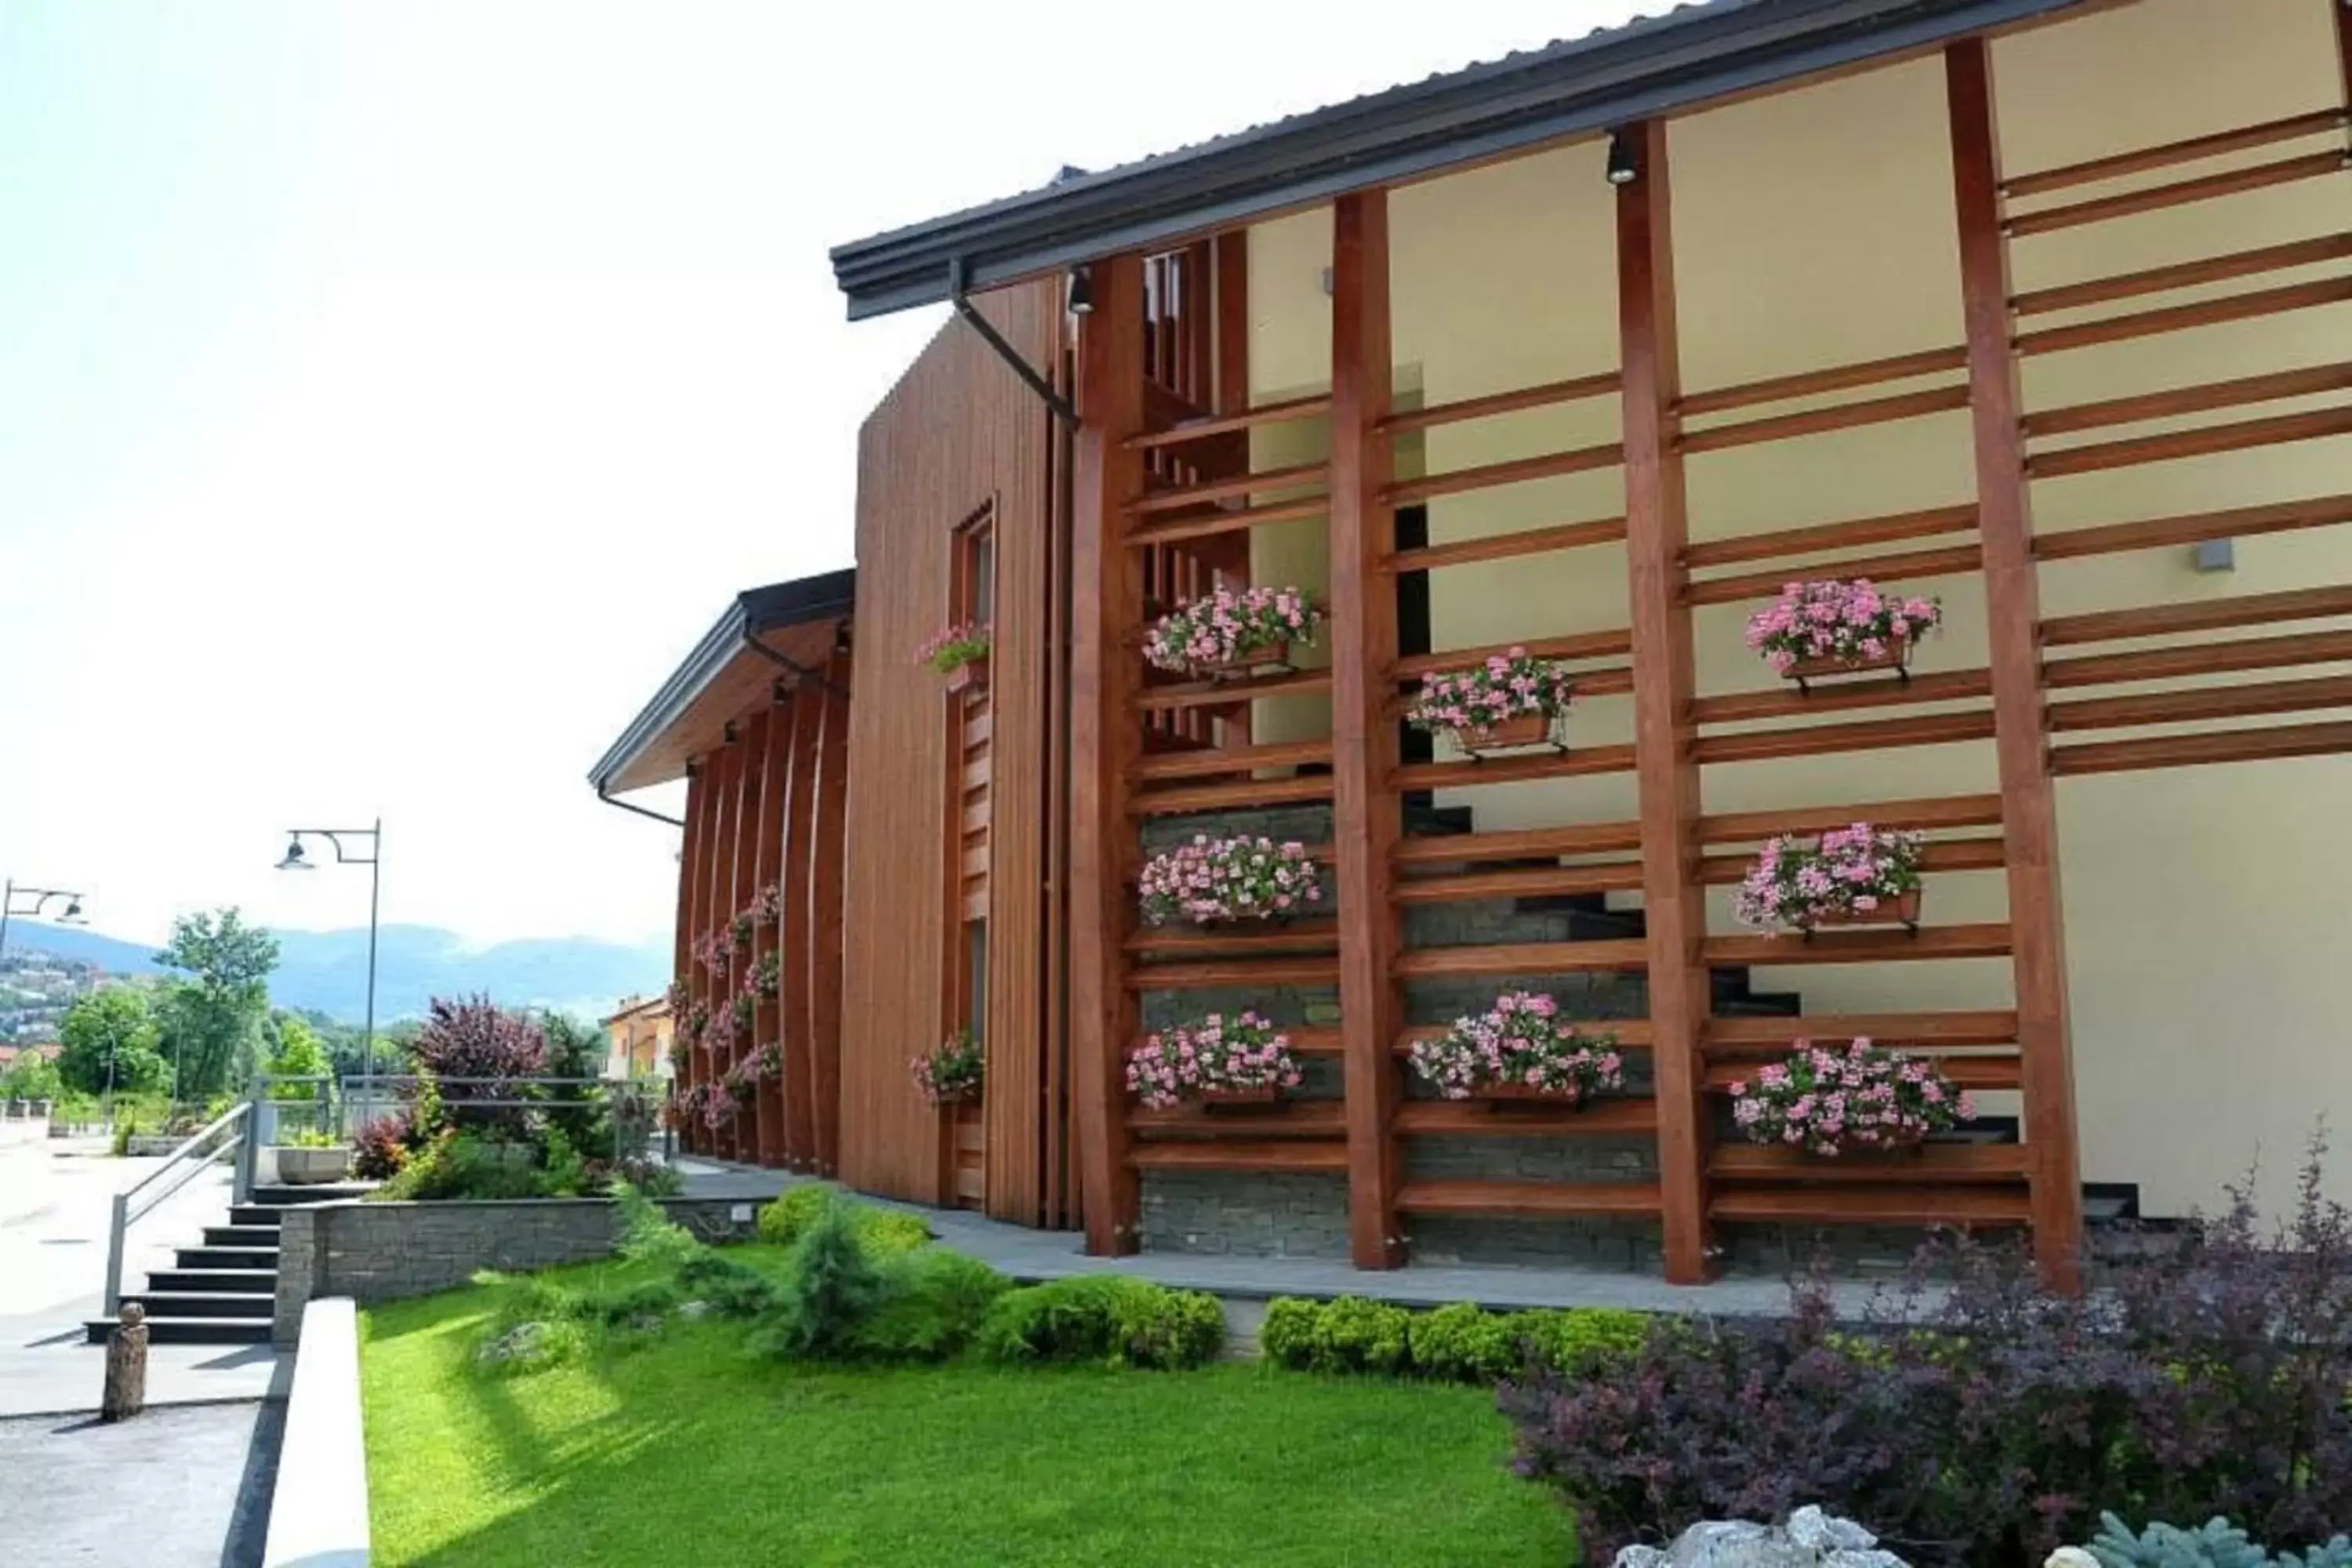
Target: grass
[(688, 1450)]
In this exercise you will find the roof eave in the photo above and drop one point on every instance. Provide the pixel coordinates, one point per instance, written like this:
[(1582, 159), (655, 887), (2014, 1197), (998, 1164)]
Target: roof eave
[(1659, 65)]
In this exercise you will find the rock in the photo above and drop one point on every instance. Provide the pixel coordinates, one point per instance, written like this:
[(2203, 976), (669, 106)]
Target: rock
[(520, 1342), (1812, 1539), (2070, 1557)]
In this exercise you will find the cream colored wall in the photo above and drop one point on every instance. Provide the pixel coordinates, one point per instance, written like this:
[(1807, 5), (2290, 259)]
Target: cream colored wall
[(1815, 229)]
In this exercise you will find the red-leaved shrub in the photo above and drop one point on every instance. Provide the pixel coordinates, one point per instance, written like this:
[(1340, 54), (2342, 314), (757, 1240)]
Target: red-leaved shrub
[(475, 1052)]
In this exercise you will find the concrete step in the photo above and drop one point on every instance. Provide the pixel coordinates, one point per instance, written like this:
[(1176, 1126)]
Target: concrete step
[(190, 1331), (322, 1192), (202, 1304), (228, 1257), (255, 1215), (234, 1281), (241, 1235)]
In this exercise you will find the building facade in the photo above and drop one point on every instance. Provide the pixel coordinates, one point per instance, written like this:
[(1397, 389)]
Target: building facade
[(2035, 307)]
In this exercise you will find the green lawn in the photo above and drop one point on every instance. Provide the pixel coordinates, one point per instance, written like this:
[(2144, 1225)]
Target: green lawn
[(690, 1452)]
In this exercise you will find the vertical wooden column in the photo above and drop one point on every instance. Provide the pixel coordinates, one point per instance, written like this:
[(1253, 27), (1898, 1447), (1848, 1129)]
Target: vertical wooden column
[(1368, 817), (690, 869), (1106, 741), (718, 884), (2012, 615), (744, 1131), (800, 946), (1656, 528), (828, 808), (771, 735)]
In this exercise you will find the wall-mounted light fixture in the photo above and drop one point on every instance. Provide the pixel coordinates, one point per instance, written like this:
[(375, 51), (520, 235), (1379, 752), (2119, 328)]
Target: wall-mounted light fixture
[(1624, 163), (1081, 291)]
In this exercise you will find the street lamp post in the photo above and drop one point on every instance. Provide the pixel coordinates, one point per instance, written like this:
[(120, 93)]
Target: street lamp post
[(10, 905), (373, 861)]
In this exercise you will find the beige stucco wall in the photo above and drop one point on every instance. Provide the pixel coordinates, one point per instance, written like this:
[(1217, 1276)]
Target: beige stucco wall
[(1814, 228)]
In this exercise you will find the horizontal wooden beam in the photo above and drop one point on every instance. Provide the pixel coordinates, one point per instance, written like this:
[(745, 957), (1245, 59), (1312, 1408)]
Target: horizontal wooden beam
[(1493, 475), (1960, 1162), (1582, 762), (1234, 693), (2191, 750), (2171, 532), (1232, 759), (1629, 1118), (1582, 645), (1530, 1200), (2202, 705), (1528, 958), (1799, 1204), (2185, 275), (1186, 800), (1951, 855), (1296, 1118), (1812, 382), (1494, 402), (2245, 307), (1301, 1156), (1212, 975), (2180, 193), (2193, 149), (1818, 538), (1824, 740), (2174, 444), (2197, 658), (1226, 424), (1221, 520), (1528, 882), (1266, 936), (1469, 848), (1978, 1074), (2203, 616), (1508, 546), (1990, 940), (1182, 496), (2179, 400), (1962, 1028), (1822, 421), (1752, 827), (1789, 702), (1906, 566)]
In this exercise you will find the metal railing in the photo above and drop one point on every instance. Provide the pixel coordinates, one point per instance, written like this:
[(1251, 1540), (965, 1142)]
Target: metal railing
[(229, 1135)]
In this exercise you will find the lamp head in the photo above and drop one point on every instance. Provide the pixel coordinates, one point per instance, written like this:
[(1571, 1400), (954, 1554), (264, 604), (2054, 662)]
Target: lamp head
[(1624, 163), (294, 861), (1081, 291)]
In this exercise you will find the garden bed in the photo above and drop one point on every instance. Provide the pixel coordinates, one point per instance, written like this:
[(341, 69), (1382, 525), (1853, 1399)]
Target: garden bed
[(688, 1449)]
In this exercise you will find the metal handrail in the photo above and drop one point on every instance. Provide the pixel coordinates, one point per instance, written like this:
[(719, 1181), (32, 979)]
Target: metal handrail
[(182, 1167)]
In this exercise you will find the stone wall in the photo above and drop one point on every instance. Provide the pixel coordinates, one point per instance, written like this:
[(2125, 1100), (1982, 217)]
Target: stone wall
[(381, 1252), (1243, 1214)]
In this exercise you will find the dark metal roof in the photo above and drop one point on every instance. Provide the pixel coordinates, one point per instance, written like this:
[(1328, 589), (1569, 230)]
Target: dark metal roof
[(753, 612), (1652, 65)]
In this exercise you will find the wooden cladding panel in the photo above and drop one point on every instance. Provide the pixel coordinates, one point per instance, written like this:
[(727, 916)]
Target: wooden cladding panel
[(768, 734), (828, 811), (692, 853), (802, 1108), (959, 433)]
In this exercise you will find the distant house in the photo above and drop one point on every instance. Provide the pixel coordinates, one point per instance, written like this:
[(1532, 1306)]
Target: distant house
[(639, 1035), (47, 1050), (2038, 308)]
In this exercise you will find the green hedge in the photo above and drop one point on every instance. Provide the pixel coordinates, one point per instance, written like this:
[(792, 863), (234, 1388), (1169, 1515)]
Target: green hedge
[(884, 1232), (1104, 1317), (1461, 1343)]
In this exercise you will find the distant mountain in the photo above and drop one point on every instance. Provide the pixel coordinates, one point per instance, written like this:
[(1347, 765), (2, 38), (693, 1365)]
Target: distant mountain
[(328, 969)]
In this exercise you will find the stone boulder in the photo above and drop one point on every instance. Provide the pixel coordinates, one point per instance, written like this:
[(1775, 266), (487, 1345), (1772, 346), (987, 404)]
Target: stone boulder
[(1812, 1539)]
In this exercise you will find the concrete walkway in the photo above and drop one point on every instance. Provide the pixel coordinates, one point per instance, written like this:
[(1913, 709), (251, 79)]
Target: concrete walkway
[(185, 1488), (55, 1198), (1034, 1255)]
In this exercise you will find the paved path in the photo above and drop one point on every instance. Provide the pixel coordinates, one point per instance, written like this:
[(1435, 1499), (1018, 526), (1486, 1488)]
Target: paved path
[(183, 1488), (55, 1198), (1028, 1253)]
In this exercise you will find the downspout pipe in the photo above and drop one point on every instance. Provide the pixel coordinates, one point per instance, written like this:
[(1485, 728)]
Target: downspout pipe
[(641, 811), (1064, 409)]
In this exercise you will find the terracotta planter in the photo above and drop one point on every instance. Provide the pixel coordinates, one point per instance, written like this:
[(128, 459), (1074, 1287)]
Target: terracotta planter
[(1879, 1155), (1240, 666), (968, 1095), (1506, 1097), (1527, 729), (1902, 911), (1267, 1096), (1896, 658), (970, 676)]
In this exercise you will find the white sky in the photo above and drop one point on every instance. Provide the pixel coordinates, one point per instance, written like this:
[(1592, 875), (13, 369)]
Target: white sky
[(391, 393)]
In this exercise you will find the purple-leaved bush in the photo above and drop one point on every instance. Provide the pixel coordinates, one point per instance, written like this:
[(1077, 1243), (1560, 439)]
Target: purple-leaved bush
[(474, 1038), (1973, 1418)]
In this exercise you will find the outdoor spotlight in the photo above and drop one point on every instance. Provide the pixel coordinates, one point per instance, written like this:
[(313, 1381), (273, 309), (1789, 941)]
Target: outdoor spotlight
[(1624, 167), (1081, 291), (294, 861), (72, 914)]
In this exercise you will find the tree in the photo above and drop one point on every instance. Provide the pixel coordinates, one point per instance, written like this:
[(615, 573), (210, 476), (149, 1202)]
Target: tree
[(297, 1054), (31, 1076), (477, 1051), (114, 1027), (212, 1017)]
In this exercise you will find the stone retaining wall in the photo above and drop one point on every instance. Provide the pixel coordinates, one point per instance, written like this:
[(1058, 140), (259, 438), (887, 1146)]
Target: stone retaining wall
[(384, 1252)]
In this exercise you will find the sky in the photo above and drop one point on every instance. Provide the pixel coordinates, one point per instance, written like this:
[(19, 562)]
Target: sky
[(391, 394)]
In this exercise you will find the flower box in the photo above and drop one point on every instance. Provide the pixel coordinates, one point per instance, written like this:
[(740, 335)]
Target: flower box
[(1229, 1098), (1862, 1102), (1232, 632), (300, 1166), (948, 1099), (1527, 729), (1520, 1051), (1896, 657), (1215, 1061), (970, 676), (952, 1072), (1511, 700), (1903, 909), (1209, 882)]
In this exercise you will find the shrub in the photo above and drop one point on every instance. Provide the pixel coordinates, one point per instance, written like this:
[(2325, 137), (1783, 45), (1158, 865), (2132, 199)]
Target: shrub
[(1985, 1425), (729, 1289), (463, 1165), (1580, 1340), (126, 1128), (1286, 1335), (885, 1233), (784, 1221), (831, 1287), (475, 1039), (1103, 1317), (935, 1304), (1356, 1335), (1462, 1343), (2220, 1544)]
